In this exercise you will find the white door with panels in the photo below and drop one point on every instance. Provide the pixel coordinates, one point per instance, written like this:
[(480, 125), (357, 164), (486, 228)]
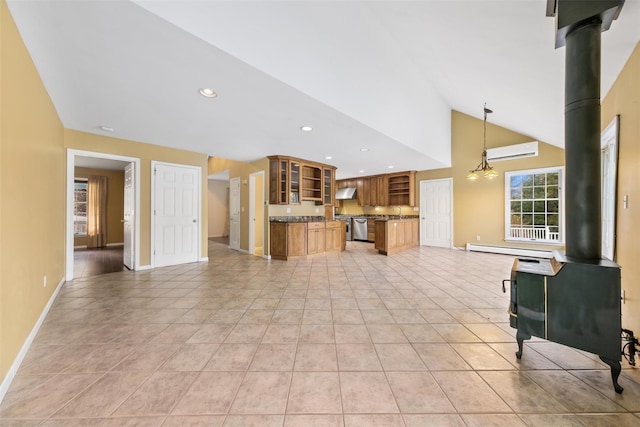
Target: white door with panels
[(128, 217), (436, 213), (234, 213), (176, 213)]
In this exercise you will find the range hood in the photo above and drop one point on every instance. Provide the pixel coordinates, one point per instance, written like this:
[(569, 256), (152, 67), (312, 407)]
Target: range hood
[(346, 193)]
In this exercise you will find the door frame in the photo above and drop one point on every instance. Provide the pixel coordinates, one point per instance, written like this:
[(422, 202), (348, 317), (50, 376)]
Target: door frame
[(231, 240), (71, 160), (423, 185), (253, 209), (198, 198)]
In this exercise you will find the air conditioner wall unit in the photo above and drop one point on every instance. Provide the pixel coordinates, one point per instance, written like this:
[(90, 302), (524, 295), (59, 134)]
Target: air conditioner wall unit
[(511, 152)]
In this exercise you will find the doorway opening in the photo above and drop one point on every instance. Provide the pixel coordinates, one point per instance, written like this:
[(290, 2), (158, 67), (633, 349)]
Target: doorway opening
[(97, 249)]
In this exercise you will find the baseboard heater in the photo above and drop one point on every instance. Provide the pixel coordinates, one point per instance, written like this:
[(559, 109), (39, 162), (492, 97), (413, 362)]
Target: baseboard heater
[(535, 253)]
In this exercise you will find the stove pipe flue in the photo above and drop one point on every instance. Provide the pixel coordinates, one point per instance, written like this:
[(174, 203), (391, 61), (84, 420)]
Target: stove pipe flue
[(579, 24)]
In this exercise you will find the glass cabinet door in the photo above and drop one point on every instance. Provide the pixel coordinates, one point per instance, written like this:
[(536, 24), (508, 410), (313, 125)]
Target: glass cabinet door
[(283, 178), (294, 183), (327, 186)]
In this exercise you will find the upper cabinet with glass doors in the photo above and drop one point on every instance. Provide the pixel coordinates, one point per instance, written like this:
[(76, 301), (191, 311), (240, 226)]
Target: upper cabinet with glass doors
[(293, 180)]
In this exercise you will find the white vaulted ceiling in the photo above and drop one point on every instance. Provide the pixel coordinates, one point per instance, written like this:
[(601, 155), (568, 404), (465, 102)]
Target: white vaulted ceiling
[(383, 75)]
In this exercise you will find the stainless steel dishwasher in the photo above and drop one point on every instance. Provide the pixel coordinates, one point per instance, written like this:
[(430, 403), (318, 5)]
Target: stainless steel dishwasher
[(359, 229)]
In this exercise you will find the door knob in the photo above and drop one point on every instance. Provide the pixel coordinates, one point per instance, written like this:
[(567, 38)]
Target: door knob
[(194, 221)]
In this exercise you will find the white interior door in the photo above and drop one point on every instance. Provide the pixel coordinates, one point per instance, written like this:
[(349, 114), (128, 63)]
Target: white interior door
[(436, 213), (176, 213), (128, 252), (234, 213)]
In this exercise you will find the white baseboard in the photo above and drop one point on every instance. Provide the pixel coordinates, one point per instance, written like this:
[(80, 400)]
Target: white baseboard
[(11, 373), (536, 253), (143, 267), (109, 245), (204, 259), (115, 244)]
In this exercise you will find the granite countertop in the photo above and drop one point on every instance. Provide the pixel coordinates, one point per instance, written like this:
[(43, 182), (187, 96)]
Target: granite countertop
[(300, 219)]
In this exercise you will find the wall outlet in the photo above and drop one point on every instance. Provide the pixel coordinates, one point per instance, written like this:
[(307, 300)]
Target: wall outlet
[(288, 210), (478, 238), (317, 210), (44, 281)]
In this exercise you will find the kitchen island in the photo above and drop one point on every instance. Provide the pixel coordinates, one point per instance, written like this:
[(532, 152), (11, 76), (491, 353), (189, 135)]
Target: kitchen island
[(394, 235), (298, 237)]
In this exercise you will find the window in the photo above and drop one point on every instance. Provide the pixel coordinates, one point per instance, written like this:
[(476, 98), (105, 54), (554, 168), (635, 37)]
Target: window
[(80, 207), (533, 210)]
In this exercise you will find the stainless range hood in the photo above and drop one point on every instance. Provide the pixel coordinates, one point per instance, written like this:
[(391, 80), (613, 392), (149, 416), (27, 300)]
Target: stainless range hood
[(346, 193)]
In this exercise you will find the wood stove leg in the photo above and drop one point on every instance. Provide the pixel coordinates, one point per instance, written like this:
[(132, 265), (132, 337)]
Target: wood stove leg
[(615, 372), (520, 337)]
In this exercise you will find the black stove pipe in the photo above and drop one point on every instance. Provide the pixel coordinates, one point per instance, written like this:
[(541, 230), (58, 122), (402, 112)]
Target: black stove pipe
[(582, 140)]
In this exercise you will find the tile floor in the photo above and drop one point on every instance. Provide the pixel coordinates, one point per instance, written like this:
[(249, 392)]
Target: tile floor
[(420, 338)]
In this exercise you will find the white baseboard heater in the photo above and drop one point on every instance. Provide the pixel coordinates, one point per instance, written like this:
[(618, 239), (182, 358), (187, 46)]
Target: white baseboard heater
[(535, 253)]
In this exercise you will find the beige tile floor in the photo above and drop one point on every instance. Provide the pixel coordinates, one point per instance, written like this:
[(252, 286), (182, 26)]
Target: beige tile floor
[(420, 338)]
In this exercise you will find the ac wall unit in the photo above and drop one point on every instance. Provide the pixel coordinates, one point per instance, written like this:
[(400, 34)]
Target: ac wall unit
[(510, 152)]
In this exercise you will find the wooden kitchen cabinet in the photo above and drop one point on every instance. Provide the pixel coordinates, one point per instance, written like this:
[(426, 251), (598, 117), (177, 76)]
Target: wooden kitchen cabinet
[(396, 235), (288, 239), (292, 180), (401, 189), (371, 230), (328, 183), (334, 236), (315, 237)]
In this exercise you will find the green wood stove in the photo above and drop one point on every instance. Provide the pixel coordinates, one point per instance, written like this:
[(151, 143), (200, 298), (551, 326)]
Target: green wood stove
[(570, 302)]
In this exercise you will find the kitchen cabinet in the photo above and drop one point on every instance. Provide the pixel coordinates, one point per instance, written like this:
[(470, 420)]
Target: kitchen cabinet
[(401, 189), (288, 239), (334, 236), (371, 230), (293, 180), (315, 237), (299, 239), (395, 235), (397, 189), (328, 183)]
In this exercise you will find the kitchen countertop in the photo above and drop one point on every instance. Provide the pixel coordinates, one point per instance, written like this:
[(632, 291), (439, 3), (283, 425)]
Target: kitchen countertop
[(300, 219)]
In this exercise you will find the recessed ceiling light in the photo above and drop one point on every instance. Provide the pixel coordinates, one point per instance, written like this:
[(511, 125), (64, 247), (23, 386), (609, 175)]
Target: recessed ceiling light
[(208, 93), (361, 171), (306, 128), (328, 157), (106, 128), (364, 149), (390, 167)]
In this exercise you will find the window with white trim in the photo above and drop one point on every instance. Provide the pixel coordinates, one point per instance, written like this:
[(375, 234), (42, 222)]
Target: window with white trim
[(80, 207), (533, 208)]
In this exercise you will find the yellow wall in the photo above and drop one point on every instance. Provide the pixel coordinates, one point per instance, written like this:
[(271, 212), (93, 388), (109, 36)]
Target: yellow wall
[(115, 204), (478, 207), (146, 153), (32, 194), (218, 210), (624, 99)]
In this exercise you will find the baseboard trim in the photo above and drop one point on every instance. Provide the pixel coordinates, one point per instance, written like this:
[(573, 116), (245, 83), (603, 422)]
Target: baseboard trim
[(504, 250), (143, 268), (115, 244), (11, 373), (204, 259)]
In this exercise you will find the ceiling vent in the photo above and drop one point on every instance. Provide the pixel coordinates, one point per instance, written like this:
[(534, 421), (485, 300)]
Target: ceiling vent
[(510, 152)]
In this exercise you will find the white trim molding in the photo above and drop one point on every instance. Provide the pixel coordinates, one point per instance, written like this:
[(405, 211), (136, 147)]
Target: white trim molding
[(505, 250)]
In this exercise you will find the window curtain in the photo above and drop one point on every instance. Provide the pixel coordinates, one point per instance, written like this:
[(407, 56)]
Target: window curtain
[(97, 211)]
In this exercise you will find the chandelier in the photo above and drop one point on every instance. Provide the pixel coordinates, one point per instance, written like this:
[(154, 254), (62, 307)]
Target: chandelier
[(483, 166)]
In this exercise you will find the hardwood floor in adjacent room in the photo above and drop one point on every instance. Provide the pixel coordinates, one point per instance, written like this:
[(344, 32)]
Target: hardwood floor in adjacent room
[(93, 262)]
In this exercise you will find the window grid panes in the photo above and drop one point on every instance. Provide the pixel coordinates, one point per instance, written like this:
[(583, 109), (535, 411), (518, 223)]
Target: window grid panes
[(80, 208), (534, 205)]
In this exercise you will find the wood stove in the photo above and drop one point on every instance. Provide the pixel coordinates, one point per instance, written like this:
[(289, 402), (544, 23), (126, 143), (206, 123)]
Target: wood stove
[(574, 299)]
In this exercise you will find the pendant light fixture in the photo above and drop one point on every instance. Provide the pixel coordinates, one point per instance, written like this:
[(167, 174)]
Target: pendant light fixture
[(483, 166)]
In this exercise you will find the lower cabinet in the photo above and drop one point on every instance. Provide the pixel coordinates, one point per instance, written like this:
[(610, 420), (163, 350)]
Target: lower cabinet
[(315, 237), (396, 235), (299, 239), (333, 236)]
